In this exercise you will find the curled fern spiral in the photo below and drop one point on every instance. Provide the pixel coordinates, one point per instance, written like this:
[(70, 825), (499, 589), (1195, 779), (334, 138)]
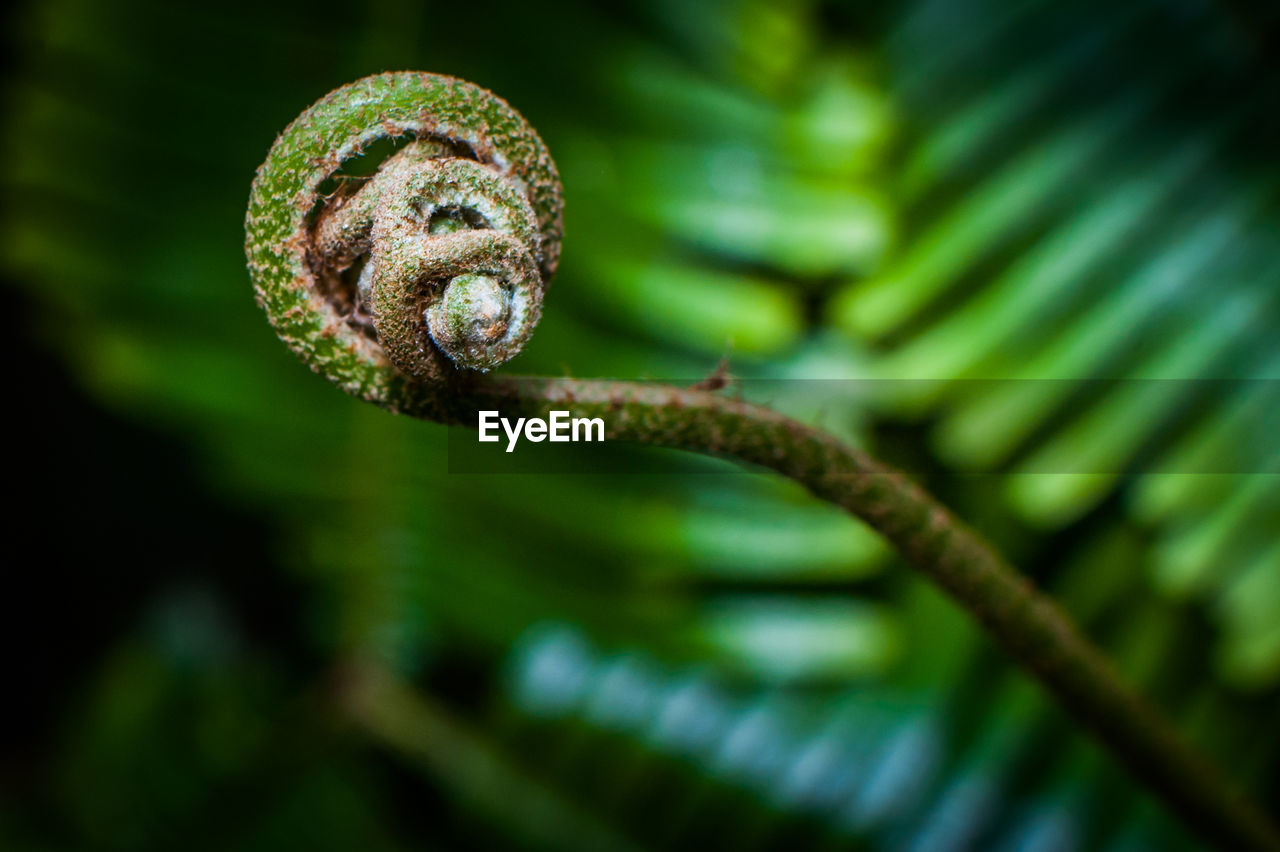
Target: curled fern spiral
[(398, 286), (405, 288)]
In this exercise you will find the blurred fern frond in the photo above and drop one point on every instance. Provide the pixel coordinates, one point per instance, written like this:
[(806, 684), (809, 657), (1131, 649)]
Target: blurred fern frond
[(1149, 261), (979, 194)]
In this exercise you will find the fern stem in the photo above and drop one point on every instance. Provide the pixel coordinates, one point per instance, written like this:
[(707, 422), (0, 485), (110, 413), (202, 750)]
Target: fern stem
[(1025, 622), (461, 230)]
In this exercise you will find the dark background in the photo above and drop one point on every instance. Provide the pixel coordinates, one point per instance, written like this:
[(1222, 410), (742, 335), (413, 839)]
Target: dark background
[(244, 611)]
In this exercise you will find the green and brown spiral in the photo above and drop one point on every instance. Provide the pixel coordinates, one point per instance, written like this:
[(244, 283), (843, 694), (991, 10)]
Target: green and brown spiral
[(399, 286), (404, 289)]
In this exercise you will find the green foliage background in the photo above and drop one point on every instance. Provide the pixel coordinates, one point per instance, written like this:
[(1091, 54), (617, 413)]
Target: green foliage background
[(248, 612)]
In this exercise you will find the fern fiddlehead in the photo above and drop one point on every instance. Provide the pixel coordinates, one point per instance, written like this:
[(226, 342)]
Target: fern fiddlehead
[(454, 238), (406, 288)]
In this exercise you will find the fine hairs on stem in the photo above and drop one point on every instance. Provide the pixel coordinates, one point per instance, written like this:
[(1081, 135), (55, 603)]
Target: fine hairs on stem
[(407, 288)]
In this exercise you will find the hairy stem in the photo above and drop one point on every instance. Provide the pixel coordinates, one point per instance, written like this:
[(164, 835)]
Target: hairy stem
[(460, 231), (1025, 622)]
